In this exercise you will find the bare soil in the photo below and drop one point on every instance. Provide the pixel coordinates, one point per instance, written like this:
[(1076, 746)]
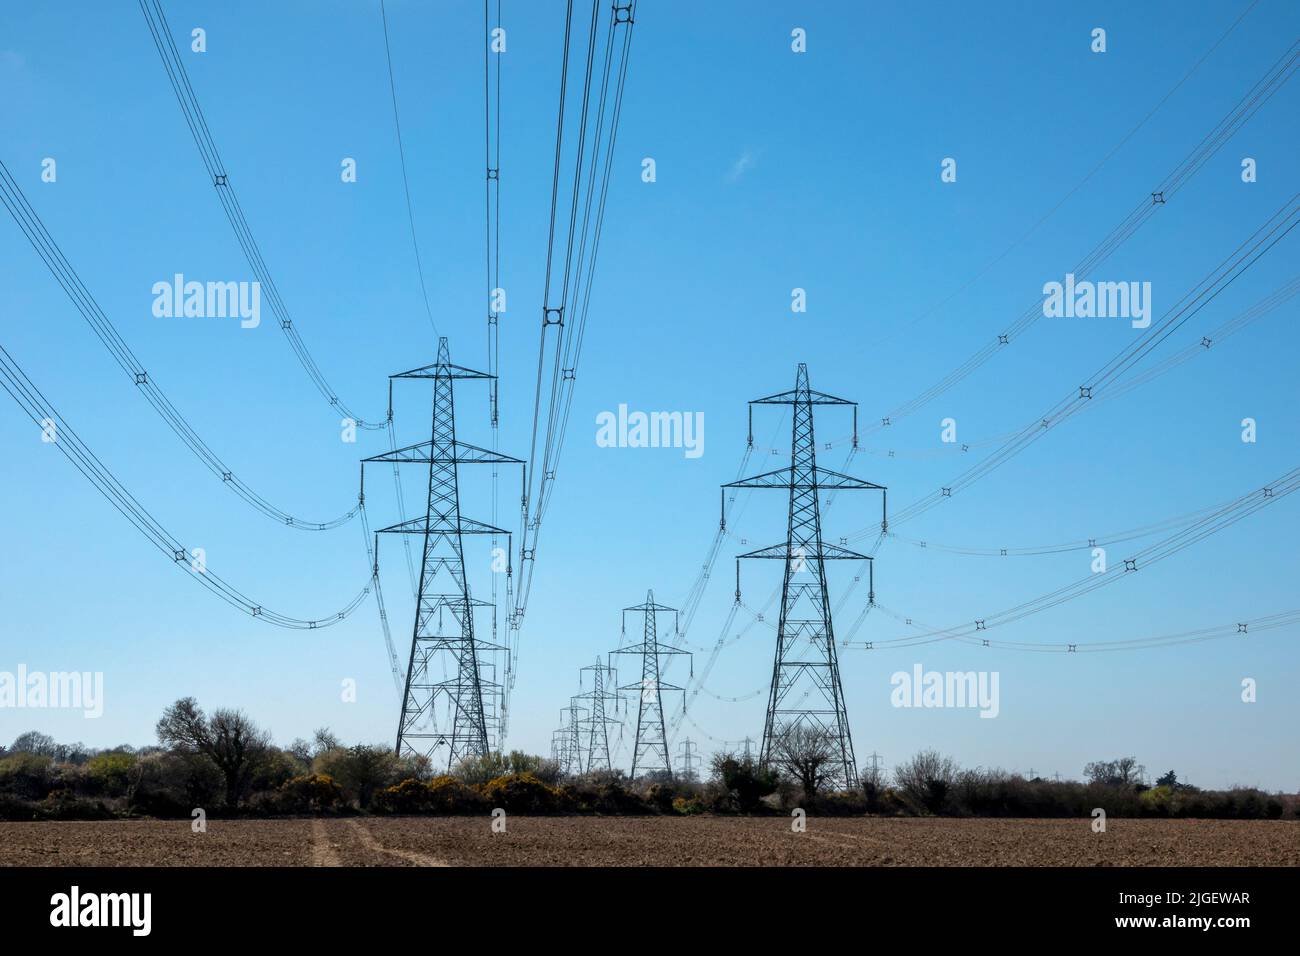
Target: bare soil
[(661, 841)]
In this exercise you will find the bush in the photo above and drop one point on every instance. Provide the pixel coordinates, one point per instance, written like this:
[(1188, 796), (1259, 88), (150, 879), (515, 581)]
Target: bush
[(745, 781), (689, 806), (65, 805), (521, 793), (925, 780), (310, 793), (113, 773), (449, 795), (445, 795), (26, 775), (361, 770)]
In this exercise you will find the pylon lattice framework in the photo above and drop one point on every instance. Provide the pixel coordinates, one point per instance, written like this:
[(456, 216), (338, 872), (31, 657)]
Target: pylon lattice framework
[(456, 710), (603, 681), (650, 751), (806, 699)]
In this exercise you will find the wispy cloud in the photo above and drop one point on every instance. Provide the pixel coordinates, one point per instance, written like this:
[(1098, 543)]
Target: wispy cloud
[(744, 162)]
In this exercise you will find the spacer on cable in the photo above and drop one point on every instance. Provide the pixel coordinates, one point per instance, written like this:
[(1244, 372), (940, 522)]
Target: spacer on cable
[(1085, 391), (220, 179), (1207, 341), (985, 642), (226, 476), (1241, 628), (622, 14), (1071, 648), (180, 555), (1003, 339), (1158, 199), (1130, 564), (947, 492), (979, 626), (493, 173), (142, 378), (552, 316)]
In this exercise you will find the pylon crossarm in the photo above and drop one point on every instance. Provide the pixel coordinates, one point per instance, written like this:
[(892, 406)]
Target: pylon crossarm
[(421, 525), (827, 552), (442, 370), (840, 482), (780, 478), (465, 454), (810, 396)]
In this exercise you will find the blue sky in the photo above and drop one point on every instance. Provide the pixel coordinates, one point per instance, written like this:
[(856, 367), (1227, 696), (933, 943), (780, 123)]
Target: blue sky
[(775, 170)]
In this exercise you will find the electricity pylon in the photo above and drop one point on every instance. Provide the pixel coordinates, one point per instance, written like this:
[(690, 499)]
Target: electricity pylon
[(571, 739), (603, 680), (650, 752), (806, 700), (448, 710), (686, 750)]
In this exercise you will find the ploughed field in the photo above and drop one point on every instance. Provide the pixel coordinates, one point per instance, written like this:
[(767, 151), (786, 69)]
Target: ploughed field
[(664, 841)]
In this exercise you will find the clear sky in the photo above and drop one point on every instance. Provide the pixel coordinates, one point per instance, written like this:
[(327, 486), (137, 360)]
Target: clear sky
[(775, 171)]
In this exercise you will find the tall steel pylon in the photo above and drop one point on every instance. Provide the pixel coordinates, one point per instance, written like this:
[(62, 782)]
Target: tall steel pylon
[(448, 700), (806, 696), (570, 739), (603, 681), (650, 752)]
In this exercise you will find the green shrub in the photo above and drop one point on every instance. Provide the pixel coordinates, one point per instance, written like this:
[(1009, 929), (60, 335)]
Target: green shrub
[(25, 775), (746, 781), (113, 773)]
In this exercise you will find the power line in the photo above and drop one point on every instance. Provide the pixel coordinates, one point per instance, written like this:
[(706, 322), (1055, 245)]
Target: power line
[(406, 182), (579, 270), (65, 439), (220, 178), (29, 221), (1277, 227), (1238, 116)]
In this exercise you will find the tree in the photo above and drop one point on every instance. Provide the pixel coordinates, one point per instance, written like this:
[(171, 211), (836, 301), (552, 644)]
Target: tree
[(872, 779), (806, 754), (362, 769), (228, 738), (745, 780), (926, 779), (34, 742), (1124, 772)]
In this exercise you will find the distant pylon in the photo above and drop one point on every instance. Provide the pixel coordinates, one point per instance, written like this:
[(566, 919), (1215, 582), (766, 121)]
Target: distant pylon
[(603, 682), (806, 695), (650, 752), (690, 758), (453, 710), (572, 763)]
